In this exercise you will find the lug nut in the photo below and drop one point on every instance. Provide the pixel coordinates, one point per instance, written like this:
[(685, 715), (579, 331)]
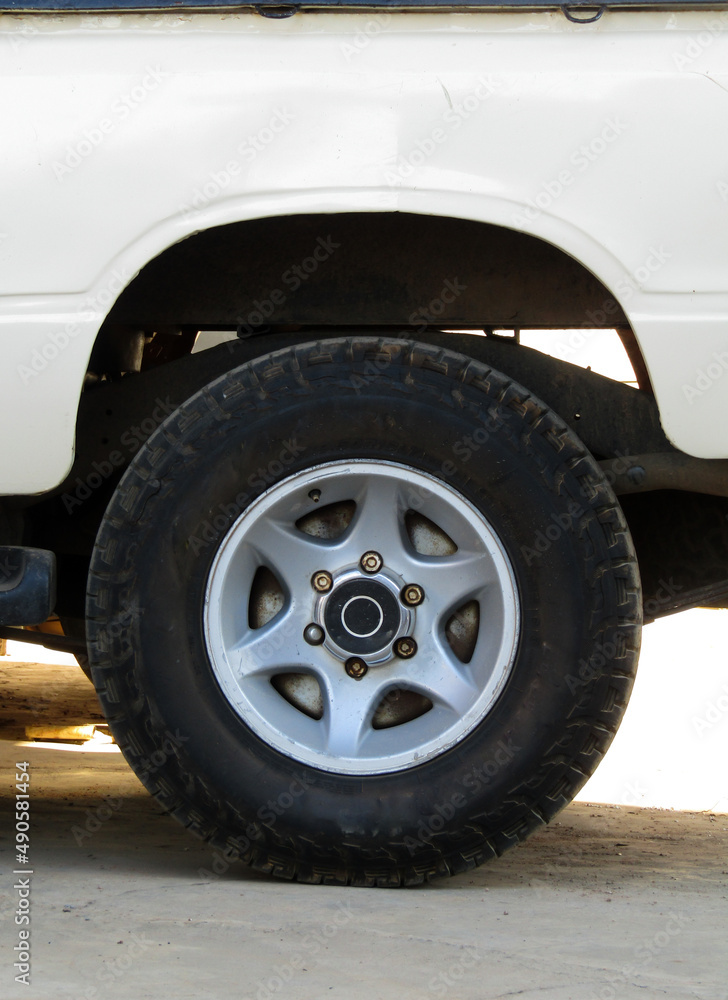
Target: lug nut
[(313, 634), (371, 562), (355, 667), (405, 648), (412, 594), (321, 581)]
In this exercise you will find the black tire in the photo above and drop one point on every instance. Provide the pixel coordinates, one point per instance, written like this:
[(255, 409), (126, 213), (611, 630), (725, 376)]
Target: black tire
[(556, 517)]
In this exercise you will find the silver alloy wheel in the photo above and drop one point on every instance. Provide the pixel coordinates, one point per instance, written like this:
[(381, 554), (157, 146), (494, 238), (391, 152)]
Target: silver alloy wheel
[(296, 692)]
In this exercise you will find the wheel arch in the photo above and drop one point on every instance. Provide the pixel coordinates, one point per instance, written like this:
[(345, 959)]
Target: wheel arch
[(372, 268)]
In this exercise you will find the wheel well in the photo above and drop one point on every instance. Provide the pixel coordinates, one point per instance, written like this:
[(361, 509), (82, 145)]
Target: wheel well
[(348, 270)]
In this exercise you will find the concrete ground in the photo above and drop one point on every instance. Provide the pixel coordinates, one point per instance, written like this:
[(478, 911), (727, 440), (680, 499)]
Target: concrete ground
[(608, 902)]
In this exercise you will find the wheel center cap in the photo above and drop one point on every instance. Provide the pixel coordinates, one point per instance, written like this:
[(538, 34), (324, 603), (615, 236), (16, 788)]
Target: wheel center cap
[(362, 616)]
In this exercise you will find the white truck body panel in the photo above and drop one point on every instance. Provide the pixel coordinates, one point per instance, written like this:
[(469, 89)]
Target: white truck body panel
[(125, 134)]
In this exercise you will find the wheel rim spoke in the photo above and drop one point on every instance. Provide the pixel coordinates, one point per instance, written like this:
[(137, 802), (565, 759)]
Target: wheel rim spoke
[(378, 524), (275, 646), (348, 714), (453, 580), (293, 556), (438, 675)]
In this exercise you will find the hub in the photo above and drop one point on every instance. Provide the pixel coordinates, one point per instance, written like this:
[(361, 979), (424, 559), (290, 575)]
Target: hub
[(363, 614)]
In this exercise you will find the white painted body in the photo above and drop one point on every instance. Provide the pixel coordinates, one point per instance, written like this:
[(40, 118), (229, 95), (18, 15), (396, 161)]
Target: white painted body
[(123, 134)]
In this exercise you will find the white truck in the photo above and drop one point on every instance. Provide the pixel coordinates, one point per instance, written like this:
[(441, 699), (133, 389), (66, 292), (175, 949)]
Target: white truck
[(360, 587)]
